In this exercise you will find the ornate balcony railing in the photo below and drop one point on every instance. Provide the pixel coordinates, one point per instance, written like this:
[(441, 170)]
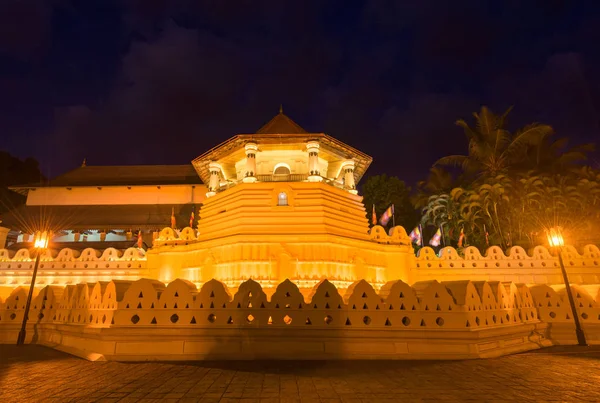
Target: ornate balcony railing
[(282, 178)]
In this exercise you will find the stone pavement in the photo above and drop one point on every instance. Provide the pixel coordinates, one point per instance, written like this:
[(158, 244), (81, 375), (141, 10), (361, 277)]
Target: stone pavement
[(39, 374)]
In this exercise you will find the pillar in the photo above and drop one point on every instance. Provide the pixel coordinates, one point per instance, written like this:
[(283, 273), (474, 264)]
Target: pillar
[(349, 176), (250, 174), (214, 183), (314, 174)]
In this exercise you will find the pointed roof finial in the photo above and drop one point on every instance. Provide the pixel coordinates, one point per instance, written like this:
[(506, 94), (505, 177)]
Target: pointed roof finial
[(281, 109), (83, 163)]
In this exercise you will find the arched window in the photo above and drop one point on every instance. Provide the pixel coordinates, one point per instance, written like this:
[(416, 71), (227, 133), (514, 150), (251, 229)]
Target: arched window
[(282, 199), (282, 169)]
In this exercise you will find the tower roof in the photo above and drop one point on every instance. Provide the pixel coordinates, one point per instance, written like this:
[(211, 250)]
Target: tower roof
[(281, 124)]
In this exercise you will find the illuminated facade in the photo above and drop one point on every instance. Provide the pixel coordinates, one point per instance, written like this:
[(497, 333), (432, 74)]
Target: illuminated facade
[(277, 262), (276, 204)]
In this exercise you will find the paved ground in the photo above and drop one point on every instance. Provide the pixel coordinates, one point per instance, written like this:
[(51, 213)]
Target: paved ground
[(36, 374)]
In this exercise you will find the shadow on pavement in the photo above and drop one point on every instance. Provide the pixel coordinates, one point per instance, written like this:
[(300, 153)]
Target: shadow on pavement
[(10, 353), (311, 368), (587, 352)]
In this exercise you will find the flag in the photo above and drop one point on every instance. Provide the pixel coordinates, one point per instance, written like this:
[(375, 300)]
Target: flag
[(415, 235), (192, 220), (435, 241), (461, 237), (385, 217), (173, 221), (373, 217), (487, 236), (140, 241)]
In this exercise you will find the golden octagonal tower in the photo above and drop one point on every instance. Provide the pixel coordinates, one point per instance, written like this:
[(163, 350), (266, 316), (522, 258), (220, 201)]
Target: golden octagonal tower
[(282, 204)]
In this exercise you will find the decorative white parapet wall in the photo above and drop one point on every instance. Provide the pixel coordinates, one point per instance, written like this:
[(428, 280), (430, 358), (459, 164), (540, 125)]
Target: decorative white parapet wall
[(148, 320), (539, 267), (393, 260), (69, 266)]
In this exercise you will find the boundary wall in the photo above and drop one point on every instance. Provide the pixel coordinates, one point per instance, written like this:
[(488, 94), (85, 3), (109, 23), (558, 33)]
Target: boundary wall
[(148, 320), (539, 266)]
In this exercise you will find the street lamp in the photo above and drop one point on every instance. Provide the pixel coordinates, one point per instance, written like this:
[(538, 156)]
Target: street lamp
[(40, 243), (556, 241)]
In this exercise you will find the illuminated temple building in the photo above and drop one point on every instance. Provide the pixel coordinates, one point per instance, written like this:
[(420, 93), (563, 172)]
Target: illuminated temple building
[(277, 204), (278, 261)]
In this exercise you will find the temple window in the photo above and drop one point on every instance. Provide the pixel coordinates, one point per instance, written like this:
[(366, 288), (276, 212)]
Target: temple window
[(282, 199), (281, 169)]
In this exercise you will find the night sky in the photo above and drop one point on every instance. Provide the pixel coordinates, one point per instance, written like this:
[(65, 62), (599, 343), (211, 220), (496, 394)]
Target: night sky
[(160, 82)]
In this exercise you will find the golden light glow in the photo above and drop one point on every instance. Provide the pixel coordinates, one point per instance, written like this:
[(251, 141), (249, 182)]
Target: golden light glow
[(555, 238), (41, 240)]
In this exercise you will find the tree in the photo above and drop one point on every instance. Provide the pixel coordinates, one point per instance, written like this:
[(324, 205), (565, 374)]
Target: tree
[(383, 191), (14, 171), (493, 150)]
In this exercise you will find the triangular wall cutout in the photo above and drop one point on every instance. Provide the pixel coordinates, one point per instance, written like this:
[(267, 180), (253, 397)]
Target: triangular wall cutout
[(348, 322), (193, 321), (153, 321), (387, 322)]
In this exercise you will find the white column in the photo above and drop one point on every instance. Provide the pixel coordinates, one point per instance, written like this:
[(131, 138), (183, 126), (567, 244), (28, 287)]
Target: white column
[(314, 174), (349, 176), (250, 174), (214, 182)]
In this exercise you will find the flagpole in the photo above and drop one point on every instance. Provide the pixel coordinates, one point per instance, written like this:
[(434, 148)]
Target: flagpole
[(393, 216), (421, 234), (443, 235)]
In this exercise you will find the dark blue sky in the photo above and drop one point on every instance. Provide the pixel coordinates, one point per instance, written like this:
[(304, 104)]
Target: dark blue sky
[(160, 82)]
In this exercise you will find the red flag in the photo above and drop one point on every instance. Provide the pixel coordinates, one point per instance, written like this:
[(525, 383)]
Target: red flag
[(173, 221), (461, 238), (374, 217), (140, 241), (192, 220)]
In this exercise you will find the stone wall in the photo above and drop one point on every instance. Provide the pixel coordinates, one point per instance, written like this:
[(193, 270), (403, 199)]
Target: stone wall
[(538, 267), (148, 320), (68, 266), (270, 260)]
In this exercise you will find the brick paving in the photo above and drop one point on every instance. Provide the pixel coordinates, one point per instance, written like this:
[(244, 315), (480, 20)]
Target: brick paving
[(39, 374)]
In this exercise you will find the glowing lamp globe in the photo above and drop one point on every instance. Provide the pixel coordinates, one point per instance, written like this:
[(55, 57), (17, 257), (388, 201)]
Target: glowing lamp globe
[(41, 240), (555, 238)]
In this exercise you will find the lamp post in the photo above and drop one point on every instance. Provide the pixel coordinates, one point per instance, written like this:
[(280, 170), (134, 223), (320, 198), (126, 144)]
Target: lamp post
[(556, 241), (40, 243)]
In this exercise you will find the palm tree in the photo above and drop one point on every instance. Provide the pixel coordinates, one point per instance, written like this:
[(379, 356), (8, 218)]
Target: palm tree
[(493, 150), (556, 156), (439, 181)]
